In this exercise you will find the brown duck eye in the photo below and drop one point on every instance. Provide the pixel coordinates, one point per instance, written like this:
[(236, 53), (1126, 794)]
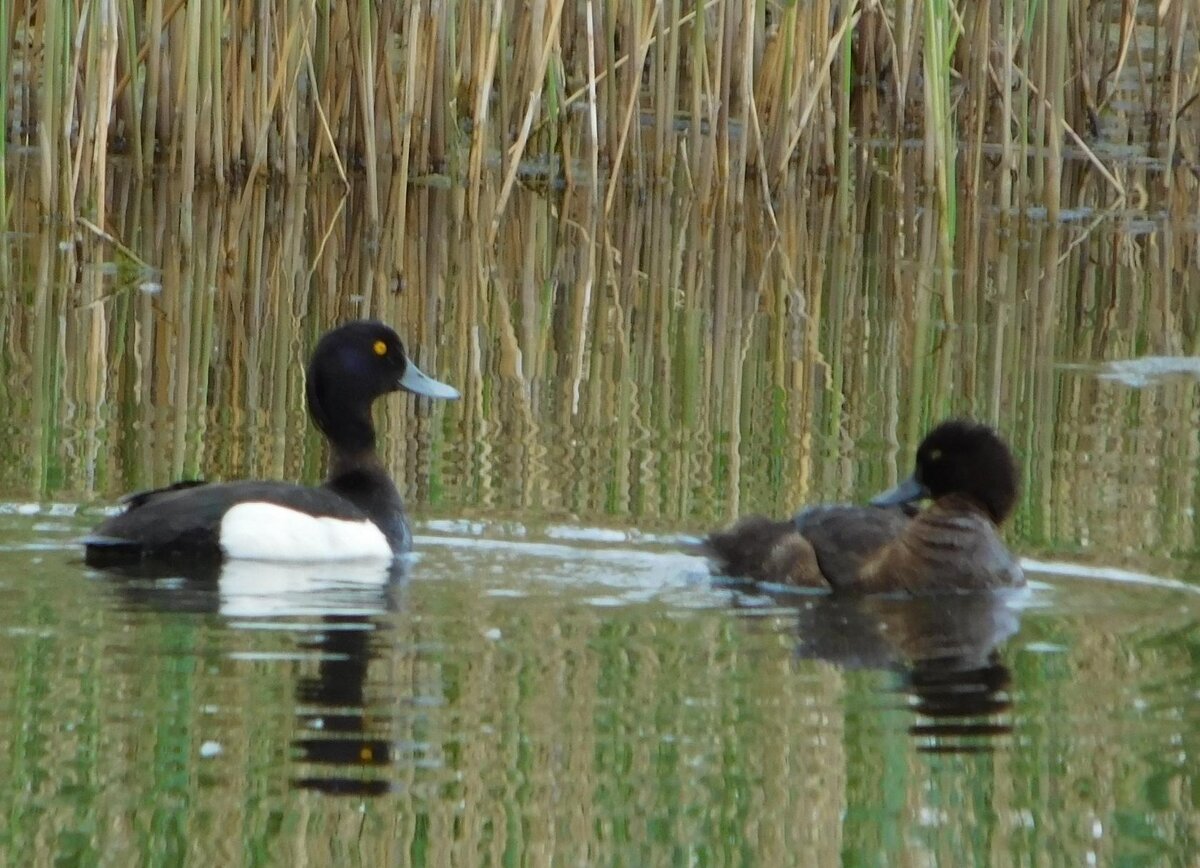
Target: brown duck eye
[(935, 455)]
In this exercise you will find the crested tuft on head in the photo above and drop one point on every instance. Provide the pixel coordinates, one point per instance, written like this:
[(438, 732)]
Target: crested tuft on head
[(969, 459)]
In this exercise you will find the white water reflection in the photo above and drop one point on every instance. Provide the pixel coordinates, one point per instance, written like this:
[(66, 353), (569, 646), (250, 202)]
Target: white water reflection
[(1145, 371), (252, 589)]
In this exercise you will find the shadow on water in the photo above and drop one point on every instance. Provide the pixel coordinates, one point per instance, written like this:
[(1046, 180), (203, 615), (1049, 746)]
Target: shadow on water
[(943, 647), (337, 613)]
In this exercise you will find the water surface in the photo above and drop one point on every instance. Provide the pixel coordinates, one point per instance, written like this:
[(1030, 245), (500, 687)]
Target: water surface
[(551, 678)]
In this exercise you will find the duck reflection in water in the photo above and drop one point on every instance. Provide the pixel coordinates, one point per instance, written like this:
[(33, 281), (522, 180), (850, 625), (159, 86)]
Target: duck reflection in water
[(944, 648), (338, 612)]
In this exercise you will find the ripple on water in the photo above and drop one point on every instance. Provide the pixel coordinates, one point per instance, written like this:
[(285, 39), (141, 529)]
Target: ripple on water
[(535, 670)]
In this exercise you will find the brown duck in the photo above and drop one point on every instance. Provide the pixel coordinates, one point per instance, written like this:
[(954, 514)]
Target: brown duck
[(967, 472)]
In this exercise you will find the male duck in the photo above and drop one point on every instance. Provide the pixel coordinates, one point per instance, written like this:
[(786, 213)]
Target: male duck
[(968, 472), (356, 514)]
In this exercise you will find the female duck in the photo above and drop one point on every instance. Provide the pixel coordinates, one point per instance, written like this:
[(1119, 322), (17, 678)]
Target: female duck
[(963, 467), (356, 514)]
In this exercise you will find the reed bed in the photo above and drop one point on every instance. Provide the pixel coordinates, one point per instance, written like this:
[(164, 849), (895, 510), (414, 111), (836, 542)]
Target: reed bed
[(669, 367), (717, 95)]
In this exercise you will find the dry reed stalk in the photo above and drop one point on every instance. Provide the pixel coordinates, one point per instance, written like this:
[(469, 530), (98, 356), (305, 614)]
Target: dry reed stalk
[(593, 123), (53, 130), (125, 115), (212, 145), (1091, 156), (318, 50), (644, 32), (743, 78), (805, 101), (287, 67), (845, 162), (7, 22), (941, 148), (388, 87), (433, 148), (287, 110), (543, 39), (365, 76), (488, 48), (146, 130), (1057, 38), (1176, 23), (777, 69), (155, 23), (708, 99), (407, 108), (326, 134), (976, 100), (190, 101), (666, 63), (904, 49), (336, 89)]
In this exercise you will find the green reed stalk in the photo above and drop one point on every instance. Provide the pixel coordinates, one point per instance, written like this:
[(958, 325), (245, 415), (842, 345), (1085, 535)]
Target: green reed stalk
[(191, 100), (539, 64), (388, 16), (6, 36), (845, 161), (1006, 123), (488, 50), (905, 58), (52, 121), (365, 64), (216, 150), (126, 98), (407, 108), (940, 134), (666, 77), (1058, 46), (976, 111), (1176, 21), (642, 45), (805, 101), (96, 111), (1037, 73), (781, 67)]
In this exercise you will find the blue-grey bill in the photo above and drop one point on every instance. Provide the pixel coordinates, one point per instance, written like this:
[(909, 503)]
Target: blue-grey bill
[(420, 383), (906, 492)]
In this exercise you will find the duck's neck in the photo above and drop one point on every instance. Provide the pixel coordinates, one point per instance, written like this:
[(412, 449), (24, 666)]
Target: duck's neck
[(342, 415), (345, 422), (361, 478), (344, 462), (353, 434)]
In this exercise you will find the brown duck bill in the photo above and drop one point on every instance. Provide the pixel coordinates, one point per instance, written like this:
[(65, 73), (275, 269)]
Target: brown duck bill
[(908, 491)]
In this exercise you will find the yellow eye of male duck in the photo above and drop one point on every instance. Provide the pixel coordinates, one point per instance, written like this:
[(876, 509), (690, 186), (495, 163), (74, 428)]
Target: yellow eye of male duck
[(380, 348)]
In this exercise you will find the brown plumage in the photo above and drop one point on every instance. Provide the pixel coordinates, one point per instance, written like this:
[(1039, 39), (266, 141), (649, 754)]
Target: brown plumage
[(822, 546), (971, 477)]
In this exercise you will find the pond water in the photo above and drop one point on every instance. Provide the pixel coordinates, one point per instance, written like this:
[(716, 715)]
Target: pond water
[(552, 677)]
